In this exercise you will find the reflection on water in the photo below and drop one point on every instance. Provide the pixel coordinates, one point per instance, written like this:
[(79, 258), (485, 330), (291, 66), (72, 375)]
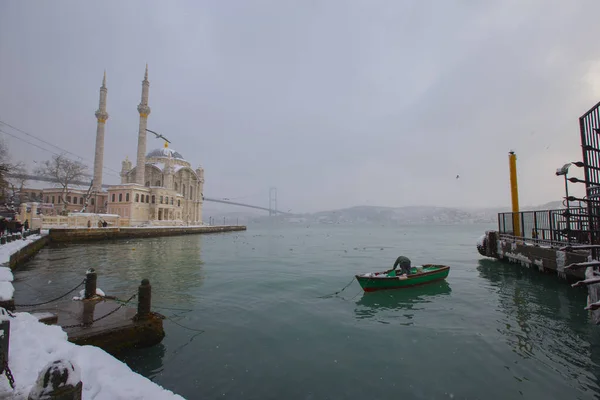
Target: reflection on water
[(406, 301), (173, 266), (543, 319)]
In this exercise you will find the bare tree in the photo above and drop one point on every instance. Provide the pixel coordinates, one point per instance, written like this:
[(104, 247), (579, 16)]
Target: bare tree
[(9, 186), (64, 171)]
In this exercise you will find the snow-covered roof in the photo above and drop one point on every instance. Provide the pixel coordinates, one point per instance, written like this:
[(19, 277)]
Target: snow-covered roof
[(164, 152)]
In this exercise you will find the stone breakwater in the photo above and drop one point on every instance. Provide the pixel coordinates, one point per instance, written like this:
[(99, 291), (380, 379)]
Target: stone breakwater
[(96, 234)]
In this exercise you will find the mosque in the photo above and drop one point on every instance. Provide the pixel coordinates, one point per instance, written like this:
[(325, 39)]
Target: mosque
[(161, 189)]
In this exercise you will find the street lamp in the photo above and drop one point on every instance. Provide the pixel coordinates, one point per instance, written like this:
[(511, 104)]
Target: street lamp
[(564, 171)]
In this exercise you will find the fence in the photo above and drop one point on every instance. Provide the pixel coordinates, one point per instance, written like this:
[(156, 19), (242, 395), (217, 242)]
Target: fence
[(80, 220), (551, 226)]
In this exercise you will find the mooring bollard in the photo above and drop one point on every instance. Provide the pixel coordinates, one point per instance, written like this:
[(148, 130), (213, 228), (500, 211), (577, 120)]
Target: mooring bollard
[(58, 380), (90, 283), (144, 299)]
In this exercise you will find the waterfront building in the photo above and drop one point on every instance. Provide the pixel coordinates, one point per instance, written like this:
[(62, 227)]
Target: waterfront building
[(161, 189)]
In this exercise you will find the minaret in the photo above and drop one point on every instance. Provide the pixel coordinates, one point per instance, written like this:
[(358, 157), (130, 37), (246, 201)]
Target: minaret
[(168, 171), (101, 116), (144, 111)]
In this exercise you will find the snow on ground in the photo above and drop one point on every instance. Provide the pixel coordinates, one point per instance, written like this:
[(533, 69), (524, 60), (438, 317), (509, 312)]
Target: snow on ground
[(81, 296), (33, 345), (6, 277), (6, 291), (6, 274)]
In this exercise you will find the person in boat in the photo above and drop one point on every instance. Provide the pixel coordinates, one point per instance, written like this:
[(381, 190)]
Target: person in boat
[(404, 264)]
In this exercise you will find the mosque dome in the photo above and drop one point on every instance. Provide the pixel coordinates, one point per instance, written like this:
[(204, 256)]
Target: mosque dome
[(163, 153)]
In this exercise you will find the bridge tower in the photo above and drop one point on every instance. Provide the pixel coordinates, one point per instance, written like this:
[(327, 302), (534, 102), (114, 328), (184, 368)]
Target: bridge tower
[(272, 201)]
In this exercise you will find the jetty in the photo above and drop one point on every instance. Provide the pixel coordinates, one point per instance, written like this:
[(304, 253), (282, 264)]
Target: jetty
[(564, 241)]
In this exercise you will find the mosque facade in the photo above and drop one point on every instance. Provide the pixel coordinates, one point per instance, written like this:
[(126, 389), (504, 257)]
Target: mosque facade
[(162, 188)]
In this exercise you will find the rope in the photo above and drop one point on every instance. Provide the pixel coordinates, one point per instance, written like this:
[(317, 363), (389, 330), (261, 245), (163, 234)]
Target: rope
[(185, 327), (338, 292), (50, 301), (102, 317)]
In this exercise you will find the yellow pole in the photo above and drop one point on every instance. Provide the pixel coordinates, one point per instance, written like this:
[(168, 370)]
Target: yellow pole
[(514, 193)]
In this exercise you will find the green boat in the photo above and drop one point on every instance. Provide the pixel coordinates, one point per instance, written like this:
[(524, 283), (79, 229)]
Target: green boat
[(391, 279)]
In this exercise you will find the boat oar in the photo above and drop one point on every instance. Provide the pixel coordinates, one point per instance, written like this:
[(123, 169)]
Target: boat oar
[(338, 292)]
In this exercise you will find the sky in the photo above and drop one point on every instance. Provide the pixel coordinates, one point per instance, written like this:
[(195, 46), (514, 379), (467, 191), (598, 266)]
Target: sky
[(335, 103)]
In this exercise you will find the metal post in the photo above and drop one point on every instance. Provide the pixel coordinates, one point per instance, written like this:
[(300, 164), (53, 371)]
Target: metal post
[(4, 338), (568, 209), (535, 227), (550, 224), (144, 299), (90, 283), (514, 192)]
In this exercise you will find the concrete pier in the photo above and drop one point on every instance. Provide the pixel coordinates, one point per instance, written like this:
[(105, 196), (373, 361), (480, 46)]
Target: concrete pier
[(106, 323), (530, 254)]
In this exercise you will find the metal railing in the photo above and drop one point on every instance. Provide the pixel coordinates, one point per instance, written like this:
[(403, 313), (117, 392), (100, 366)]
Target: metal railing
[(549, 226)]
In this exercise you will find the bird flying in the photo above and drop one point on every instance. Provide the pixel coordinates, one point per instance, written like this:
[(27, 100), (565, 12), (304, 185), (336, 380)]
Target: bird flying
[(159, 136)]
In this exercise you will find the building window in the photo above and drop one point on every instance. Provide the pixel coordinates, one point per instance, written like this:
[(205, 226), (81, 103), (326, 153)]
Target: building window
[(157, 183), (47, 199), (161, 199), (53, 198), (148, 183), (92, 201), (153, 199), (176, 186), (171, 201), (137, 197), (183, 189), (81, 200), (166, 199), (120, 197), (178, 203), (126, 196), (113, 197), (68, 199)]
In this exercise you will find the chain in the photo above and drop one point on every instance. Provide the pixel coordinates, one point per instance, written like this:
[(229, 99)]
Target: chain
[(102, 317), (9, 375), (50, 301)]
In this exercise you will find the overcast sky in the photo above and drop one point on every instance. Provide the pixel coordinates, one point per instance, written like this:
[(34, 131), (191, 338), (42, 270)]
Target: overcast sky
[(335, 102)]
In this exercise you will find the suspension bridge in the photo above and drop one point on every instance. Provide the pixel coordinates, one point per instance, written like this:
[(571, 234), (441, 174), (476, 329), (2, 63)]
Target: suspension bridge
[(271, 209)]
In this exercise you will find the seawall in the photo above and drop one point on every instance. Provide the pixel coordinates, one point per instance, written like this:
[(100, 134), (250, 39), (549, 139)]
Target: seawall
[(98, 234), (25, 253)]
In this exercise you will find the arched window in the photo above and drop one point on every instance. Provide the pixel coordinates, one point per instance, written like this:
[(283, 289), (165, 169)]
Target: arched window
[(92, 201), (137, 197), (153, 199), (148, 198), (161, 199), (171, 201), (81, 200), (126, 196), (166, 199), (120, 197), (157, 183), (113, 197)]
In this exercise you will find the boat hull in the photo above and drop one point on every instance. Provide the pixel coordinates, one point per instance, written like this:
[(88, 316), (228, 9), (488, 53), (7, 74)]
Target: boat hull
[(431, 273)]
